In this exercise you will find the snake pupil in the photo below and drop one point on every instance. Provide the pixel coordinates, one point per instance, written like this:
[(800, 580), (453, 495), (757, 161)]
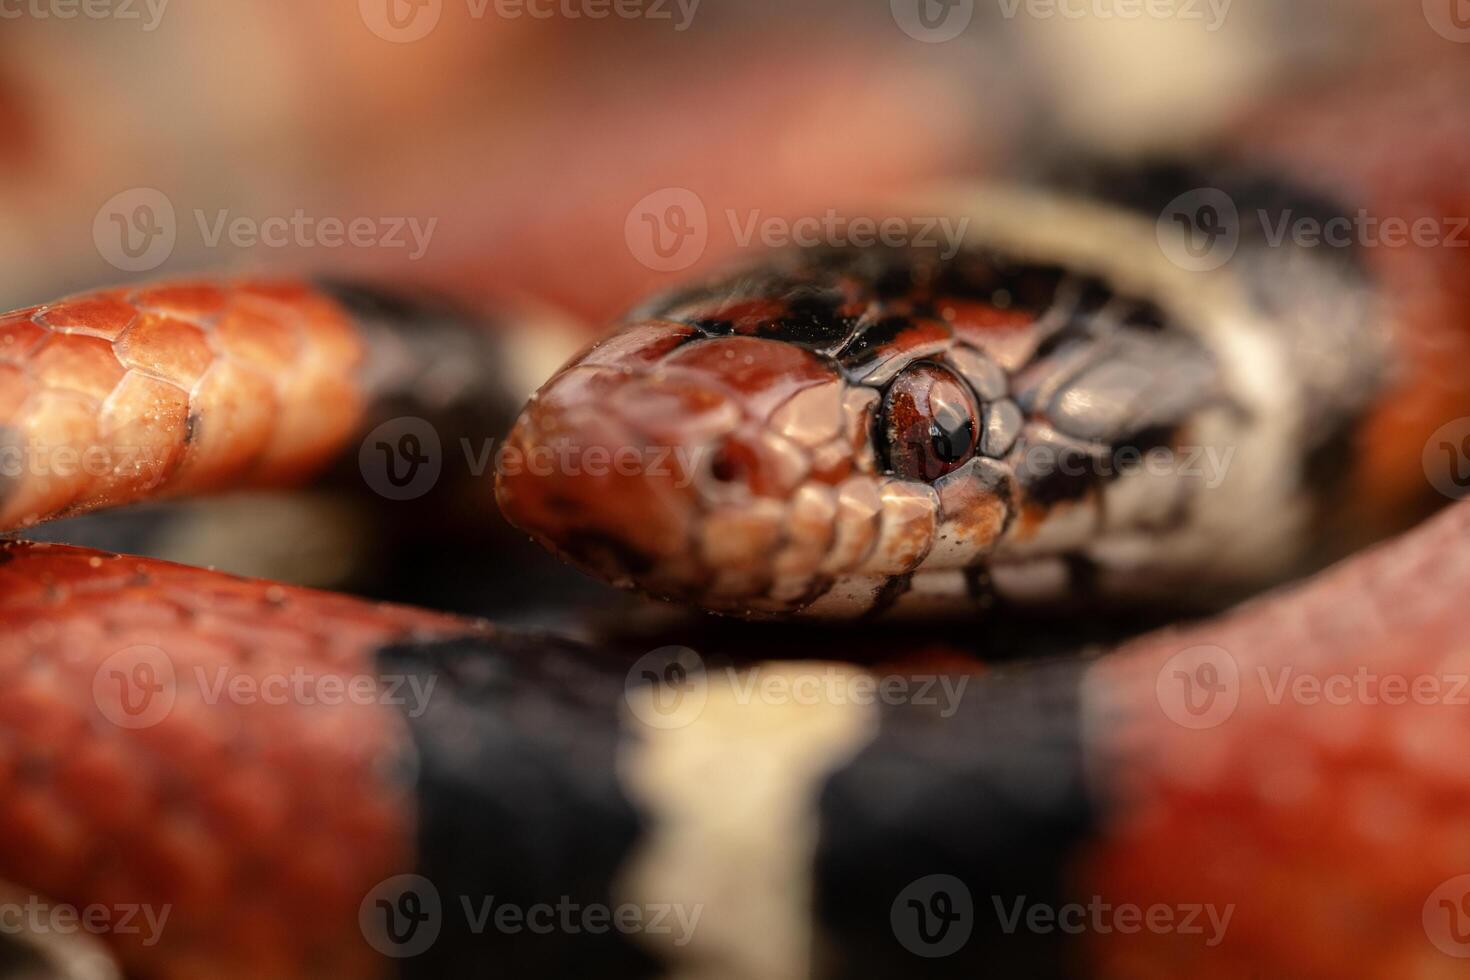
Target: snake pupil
[(930, 421), (952, 438)]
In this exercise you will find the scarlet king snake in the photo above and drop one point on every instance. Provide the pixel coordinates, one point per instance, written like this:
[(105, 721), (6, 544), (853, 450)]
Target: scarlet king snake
[(869, 432)]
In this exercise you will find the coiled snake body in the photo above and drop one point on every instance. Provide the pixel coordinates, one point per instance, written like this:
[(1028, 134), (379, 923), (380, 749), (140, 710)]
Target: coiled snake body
[(854, 433)]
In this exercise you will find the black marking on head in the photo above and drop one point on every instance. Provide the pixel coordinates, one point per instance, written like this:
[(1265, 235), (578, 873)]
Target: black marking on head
[(810, 328), (803, 298), (191, 427), (519, 798), (712, 328), (867, 345), (994, 794)]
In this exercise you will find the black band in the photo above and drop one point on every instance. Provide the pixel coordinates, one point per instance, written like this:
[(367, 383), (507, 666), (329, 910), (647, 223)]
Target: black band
[(519, 806), (936, 831)]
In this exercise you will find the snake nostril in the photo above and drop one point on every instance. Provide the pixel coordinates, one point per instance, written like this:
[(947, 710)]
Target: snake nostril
[(731, 463)]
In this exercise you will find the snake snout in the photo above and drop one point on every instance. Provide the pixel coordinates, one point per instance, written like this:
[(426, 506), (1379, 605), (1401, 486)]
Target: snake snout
[(583, 482), (692, 466)]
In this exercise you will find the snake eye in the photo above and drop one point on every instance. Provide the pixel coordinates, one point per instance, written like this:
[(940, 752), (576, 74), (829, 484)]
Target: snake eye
[(930, 421)]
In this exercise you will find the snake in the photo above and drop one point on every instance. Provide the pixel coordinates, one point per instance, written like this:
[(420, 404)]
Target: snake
[(1084, 407)]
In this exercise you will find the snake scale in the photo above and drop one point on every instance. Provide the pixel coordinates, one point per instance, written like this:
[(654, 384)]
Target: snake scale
[(880, 433)]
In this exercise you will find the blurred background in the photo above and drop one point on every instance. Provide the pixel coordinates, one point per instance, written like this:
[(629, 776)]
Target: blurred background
[(523, 151), (526, 131)]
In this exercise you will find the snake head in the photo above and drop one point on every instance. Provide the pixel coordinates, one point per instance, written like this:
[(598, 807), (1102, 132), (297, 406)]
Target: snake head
[(822, 433)]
